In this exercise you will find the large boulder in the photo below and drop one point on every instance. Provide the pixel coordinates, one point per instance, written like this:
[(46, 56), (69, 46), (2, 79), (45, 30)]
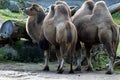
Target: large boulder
[(13, 6)]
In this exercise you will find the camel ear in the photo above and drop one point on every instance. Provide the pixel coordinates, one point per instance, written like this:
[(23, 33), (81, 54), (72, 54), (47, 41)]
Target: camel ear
[(6, 29)]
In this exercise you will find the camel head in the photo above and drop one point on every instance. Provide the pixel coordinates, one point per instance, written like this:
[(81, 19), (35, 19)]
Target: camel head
[(61, 9), (34, 10), (65, 4)]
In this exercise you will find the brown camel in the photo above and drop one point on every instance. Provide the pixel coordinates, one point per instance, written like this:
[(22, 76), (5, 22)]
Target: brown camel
[(36, 15), (61, 32), (86, 9), (98, 28)]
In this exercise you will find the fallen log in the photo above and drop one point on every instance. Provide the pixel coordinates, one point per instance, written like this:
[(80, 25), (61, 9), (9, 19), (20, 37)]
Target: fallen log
[(114, 8), (11, 31)]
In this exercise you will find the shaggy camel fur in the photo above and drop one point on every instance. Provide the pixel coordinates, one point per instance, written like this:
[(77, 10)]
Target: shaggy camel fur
[(36, 15), (99, 28), (61, 32), (86, 9)]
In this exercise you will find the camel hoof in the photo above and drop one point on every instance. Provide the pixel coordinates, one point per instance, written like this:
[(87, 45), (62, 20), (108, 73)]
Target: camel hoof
[(60, 71), (46, 68), (109, 72), (58, 68), (89, 69), (78, 69), (71, 72)]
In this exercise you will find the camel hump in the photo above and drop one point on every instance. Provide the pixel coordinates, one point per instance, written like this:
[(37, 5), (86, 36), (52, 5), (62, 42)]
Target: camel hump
[(69, 33), (90, 4)]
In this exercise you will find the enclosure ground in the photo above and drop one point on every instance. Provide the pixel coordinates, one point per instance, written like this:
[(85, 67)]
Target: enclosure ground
[(32, 71)]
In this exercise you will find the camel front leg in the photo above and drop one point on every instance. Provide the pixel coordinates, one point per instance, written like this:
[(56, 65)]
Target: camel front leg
[(47, 55), (78, 55), (58, 55)]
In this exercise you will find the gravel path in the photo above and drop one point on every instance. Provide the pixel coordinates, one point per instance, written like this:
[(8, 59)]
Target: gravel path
[(25, 71)]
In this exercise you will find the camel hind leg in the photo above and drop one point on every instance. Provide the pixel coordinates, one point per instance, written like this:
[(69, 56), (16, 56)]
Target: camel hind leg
[(58, 55), (111, 56), (62, 52), (78, 55), (71, 51)]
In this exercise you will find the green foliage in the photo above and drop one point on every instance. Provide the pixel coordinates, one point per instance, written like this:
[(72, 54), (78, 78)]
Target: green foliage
[(118, 50), (116, 17), (1, 54), (8, 15), (29, 52), (3, 4), (101, 62), (4, 55)]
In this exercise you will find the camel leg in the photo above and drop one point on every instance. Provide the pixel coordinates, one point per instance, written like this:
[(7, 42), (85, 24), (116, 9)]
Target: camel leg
[(78, 55), (115, 46), (88, 54), (72, 51), (62, 52), (47, 55), (111, 56), (58, 55)]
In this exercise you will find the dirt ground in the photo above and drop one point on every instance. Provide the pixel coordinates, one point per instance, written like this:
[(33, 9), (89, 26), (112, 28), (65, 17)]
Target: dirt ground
[(32, 71)]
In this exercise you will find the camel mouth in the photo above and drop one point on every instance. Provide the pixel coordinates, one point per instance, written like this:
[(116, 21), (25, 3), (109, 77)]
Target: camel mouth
[(25, 11)]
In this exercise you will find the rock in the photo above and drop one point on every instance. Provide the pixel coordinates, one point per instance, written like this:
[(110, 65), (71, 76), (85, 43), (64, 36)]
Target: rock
[(24, 4), (8, 49), (13, 6)]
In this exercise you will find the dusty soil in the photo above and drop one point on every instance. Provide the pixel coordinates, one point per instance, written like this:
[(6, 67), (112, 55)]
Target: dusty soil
[(32, 71)]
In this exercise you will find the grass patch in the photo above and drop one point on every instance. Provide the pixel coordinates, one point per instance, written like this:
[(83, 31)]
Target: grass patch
[(8, 15), (116, 17), (118, 50)]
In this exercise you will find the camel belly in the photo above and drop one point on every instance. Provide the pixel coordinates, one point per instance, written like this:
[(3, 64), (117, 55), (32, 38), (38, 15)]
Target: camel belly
[(33, 35), (50, 35), (89, 36)]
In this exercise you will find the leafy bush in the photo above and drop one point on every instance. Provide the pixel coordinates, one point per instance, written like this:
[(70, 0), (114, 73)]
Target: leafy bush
[(101, 61), (29, 52), (3, 4), (116, 17)]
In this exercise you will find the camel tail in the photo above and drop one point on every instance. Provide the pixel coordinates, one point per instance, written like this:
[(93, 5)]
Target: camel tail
[(69, 33), (115, 33), (115, 38)]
